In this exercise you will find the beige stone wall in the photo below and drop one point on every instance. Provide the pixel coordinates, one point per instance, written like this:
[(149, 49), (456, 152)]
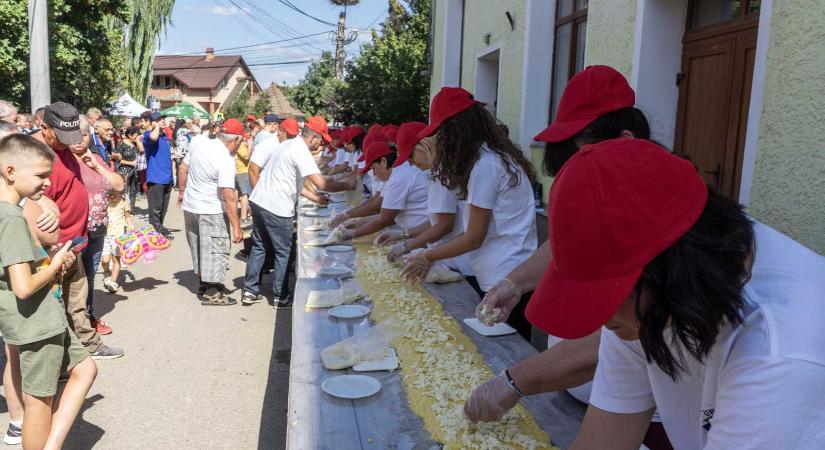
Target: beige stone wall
[(611, 27), (788, 191)]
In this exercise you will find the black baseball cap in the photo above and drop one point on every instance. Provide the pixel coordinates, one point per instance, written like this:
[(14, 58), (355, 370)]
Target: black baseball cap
[(271, 118), (155, 116), (65, 120)]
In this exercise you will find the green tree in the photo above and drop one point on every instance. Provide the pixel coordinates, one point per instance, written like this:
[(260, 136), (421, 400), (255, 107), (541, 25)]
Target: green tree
[(261, 104), (239, 108), (317, 93), (148, 20), (84, 48), (384, 83)]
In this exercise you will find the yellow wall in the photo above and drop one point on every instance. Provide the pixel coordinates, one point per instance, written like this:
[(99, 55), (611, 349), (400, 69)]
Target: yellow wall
[(611, 27), (788, 190), (482, 17), (437, 43)]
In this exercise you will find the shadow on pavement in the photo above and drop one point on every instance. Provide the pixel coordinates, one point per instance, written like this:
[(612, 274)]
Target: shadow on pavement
[(274, 412), (187, 279)]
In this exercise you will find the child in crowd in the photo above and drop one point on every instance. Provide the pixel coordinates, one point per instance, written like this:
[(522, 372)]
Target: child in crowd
[(32, 315), (120, 221)]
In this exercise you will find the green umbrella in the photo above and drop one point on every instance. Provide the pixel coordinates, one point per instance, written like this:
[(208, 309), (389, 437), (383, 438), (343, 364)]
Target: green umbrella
[(185, 110)]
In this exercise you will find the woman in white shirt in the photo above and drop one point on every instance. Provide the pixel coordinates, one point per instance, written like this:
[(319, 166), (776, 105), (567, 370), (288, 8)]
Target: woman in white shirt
[(403, 199), (475, 157), (711, 318), (444, 206)]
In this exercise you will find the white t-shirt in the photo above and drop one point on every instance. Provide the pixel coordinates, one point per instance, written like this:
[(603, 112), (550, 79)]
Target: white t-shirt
[(406, 192), (763, 383), (511, 235), (262, 151), (211, 167), (341, 157), (441, 200), (264, 135), (283, 177)]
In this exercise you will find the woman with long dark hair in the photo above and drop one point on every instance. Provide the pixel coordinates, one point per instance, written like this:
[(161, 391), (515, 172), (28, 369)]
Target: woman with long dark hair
[(708, 317), (475, 158)]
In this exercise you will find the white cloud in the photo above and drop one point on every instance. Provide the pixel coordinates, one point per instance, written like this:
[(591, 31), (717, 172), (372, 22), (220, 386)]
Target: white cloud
[(231, 11)]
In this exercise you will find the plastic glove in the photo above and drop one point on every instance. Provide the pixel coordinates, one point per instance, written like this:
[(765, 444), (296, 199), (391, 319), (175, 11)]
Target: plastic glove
[(337, 220), (339, 235), (498, 303), (397, 251), (351, 224), (490, 400), (416, 266), (388, 236)]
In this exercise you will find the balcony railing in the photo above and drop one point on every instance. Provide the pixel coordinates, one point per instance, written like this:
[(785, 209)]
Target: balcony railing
[(166, 94)]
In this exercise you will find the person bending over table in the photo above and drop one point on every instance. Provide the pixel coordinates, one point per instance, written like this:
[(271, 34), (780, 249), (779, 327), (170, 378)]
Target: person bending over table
[(404, 198), (475, 158), (707, 315)]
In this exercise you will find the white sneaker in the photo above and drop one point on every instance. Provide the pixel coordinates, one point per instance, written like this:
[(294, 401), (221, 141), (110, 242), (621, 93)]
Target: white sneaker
[(14, 435)]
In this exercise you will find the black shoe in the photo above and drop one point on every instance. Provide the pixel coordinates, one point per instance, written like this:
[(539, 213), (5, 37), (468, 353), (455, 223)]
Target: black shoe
[(249, 298), (286, 303)]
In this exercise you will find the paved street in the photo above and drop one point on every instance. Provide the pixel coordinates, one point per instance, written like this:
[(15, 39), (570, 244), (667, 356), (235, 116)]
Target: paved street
[(194, 377)]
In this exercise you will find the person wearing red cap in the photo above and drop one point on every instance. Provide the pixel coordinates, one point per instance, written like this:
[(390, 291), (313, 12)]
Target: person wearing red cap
[(288, 129), (209, 202), (273, 202), (403, 200), (708, 316), (346, 158), (475, 158), (596, 105), (358, 215)]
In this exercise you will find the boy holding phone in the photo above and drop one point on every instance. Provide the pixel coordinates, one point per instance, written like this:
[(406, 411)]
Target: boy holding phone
[(32, 315)]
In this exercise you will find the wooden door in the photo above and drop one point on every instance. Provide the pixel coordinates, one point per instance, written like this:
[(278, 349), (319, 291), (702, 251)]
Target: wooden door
[(714, 99)]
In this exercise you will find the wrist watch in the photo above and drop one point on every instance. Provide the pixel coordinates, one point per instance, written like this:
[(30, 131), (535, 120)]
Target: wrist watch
[(405, 233)]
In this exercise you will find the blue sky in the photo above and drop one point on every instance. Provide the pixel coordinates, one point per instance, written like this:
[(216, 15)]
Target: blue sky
[(222, 24)]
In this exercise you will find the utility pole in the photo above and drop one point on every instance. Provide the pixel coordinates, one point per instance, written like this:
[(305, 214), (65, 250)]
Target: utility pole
[(339, 44), (39, 54), (341, 37)]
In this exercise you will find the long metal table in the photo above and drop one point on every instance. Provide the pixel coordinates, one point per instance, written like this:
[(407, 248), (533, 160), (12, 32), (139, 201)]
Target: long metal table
[(384, 421)]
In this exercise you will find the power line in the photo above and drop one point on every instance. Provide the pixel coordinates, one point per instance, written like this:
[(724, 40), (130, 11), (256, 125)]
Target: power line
[(280, 63), (271, 42), (278, 24), (291, 6)]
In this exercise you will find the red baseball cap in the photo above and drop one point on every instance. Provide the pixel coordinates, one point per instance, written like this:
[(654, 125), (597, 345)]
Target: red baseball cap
[(319, 125), (251, 117), (406, 140), (351, 133), (234, 126), (390, 131), (291, 126), (592, 93), (448, 102), (375, 127), (374, 152), (614, 207), (375, 136)]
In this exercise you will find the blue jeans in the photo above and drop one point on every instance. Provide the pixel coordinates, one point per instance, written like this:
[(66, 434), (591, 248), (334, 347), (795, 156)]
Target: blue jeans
[(270, 233), (91, 260)]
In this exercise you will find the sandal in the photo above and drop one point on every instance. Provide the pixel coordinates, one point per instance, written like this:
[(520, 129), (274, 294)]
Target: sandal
[(215, 297)]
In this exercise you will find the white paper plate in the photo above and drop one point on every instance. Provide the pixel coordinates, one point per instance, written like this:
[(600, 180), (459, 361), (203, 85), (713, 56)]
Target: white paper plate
[(388, 363), (340, 248), (349, 311), (314, 228), (335, 271), (351, 386), (317, 213), (499, 329)]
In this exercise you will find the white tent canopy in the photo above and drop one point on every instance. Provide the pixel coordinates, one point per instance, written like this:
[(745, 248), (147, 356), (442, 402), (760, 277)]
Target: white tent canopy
[(127, 106)]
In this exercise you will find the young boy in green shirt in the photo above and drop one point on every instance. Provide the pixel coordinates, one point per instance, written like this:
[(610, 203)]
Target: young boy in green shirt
[(32, 316)]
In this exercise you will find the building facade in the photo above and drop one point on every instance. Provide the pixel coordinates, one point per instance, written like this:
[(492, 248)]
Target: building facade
[(736, 84), (210, 81)]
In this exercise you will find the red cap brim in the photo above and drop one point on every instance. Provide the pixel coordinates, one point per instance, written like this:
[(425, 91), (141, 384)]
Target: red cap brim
[(429, 131), (400, 160), (572, 309), (562, 131), (327, 138), (365, 169), (362, 157)]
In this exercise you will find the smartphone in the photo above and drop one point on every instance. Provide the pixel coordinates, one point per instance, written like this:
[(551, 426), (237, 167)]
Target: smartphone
[(77, 244)]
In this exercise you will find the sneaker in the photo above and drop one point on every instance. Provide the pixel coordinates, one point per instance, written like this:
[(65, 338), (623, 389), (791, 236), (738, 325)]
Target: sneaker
[(106, 352), (250, 298), (285, 303), (14, 435), (110, 285), (100, 326)]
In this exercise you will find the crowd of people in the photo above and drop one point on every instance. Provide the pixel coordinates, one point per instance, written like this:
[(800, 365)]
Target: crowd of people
[(681, 321)]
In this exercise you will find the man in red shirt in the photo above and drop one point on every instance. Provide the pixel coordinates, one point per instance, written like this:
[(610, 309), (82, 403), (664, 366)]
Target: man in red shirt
[(60, 129)]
